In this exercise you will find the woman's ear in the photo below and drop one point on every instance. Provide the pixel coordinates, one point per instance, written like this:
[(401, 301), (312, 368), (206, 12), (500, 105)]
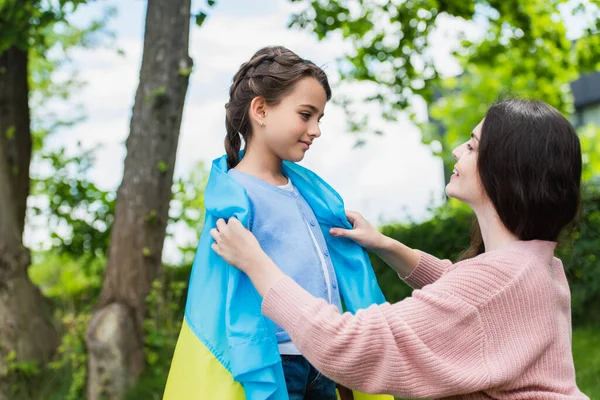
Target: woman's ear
[(258, 111)]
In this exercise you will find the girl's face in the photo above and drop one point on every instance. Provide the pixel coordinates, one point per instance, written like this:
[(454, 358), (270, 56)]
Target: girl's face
[(292, 125), (465, 182)]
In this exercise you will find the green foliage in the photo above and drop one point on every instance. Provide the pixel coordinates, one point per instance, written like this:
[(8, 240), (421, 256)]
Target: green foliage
[(72, 354), (580, 253), (445, 235), (586, 354), (18, 372), (161, 330), (77, 213), (67, 280), (23, 21), (590, 149), (201, 16), (524, 48)]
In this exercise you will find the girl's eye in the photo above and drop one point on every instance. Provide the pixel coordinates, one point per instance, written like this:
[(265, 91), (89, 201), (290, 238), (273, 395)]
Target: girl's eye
[(469, 147), (306, 116)]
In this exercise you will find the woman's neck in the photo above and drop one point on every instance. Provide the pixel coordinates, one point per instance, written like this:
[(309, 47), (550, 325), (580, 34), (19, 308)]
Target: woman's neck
[(263, 165), (495, 235)]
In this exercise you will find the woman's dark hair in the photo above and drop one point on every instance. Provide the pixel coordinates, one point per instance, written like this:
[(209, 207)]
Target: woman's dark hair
[(271, 74), (530, 166)]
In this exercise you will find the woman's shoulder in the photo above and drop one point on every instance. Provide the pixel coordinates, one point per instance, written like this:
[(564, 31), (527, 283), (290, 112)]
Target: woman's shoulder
[(478, 279)]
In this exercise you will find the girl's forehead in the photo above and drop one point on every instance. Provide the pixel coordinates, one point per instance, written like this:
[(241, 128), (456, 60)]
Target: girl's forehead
[(308, 90)]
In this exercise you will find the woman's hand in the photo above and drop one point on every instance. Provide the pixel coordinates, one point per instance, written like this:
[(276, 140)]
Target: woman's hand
[(362, 233), (239, 247), (401, 258)]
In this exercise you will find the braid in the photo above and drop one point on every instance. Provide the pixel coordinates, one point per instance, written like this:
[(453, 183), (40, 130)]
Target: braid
[(247, 70)]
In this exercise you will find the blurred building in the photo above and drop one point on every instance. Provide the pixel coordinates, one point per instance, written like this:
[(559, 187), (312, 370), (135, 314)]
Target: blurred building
[(586, 99)]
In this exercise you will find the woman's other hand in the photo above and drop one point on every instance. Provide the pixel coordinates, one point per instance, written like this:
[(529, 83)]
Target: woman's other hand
[(362, 232)]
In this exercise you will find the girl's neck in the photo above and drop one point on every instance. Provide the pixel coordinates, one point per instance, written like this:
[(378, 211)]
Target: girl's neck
[(264, 165), (495, 235)]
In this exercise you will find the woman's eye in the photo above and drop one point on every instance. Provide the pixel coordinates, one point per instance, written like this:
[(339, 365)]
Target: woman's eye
[(306, 116), (469, 147)]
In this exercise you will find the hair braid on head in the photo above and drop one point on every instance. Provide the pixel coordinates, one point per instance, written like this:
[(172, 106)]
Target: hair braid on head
[(270, 74)]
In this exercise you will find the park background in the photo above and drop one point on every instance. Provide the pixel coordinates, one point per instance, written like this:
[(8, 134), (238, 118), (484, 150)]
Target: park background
[(97, 233)]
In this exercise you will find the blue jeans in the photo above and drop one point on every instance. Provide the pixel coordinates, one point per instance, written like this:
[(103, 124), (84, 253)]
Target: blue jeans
[(304, 382)]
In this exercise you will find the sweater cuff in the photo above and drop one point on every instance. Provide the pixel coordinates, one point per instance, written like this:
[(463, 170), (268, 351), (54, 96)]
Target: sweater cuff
[(286, 302), (428, 270)]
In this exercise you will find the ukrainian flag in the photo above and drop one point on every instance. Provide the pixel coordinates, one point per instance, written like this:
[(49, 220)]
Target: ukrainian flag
[(227, 349)]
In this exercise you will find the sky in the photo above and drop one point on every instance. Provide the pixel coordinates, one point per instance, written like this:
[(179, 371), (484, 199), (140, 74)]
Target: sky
[(393, 177)]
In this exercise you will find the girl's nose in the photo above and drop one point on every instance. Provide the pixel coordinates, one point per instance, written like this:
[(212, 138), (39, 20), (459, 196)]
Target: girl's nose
[(315, 131)]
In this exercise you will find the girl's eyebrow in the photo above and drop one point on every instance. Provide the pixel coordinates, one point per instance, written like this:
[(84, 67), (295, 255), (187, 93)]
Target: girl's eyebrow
[(474, 137)]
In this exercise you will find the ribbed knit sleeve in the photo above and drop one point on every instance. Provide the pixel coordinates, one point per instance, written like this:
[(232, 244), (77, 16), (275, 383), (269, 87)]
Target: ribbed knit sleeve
[(429, 270), (402, 349)]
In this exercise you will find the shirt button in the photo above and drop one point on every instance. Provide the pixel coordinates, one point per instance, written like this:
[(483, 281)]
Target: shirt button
[(326, 253), (333, 285), (312, 223), (294, 194)]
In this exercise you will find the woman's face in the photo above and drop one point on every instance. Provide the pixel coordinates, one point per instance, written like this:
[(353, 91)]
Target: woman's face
[(465, 182)]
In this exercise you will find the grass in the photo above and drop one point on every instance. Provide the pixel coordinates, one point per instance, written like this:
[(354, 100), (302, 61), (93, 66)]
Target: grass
[(586, 354)]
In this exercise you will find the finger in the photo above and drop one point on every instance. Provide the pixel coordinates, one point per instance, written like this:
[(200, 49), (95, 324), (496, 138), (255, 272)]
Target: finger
[(235, 223), (221, 224), (215, 247), (215, 234), (339, 232)]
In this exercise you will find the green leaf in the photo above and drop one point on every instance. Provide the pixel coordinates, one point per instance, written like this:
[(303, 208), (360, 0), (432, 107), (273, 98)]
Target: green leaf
[(10, 132), (162, 166), (200, 18), (186, 71)]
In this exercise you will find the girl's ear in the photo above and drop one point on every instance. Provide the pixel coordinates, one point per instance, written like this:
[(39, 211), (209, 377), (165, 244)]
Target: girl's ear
[(258, 110)]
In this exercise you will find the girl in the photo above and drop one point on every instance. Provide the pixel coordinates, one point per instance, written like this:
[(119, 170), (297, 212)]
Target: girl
[(276, 102), (497, 325)]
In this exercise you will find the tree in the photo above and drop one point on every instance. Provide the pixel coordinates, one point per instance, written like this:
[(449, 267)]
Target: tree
[(115, 337), (26, 331), (391, 46)]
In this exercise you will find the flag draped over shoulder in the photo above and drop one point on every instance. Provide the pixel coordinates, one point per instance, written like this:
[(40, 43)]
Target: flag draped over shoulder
[(227, 349)]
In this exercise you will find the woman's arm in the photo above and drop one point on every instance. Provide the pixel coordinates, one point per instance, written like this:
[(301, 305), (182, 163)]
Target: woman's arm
[(428, 345), (415, 267)]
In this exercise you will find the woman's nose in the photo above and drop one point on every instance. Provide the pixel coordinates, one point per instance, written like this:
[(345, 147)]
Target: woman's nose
[(455, 154)]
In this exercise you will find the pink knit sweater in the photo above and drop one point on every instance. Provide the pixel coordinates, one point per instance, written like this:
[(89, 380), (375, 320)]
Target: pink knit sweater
[(497, 326)]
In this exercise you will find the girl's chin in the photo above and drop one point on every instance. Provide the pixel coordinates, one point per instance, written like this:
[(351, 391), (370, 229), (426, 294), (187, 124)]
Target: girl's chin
[(295, 157)]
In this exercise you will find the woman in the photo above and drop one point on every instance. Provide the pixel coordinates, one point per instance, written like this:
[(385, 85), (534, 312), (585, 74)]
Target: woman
[(496, 325)]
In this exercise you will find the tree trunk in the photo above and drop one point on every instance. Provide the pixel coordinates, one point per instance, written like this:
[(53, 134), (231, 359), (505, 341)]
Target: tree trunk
[(115, 336), (25, 320)]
